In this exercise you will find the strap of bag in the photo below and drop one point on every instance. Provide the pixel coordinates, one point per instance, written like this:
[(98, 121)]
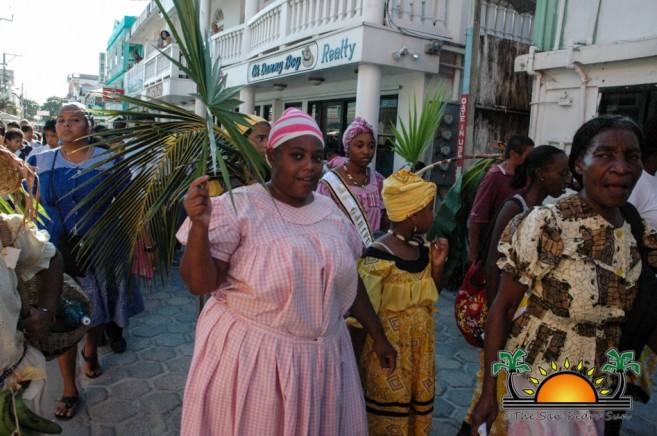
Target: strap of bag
[(641, 320), (350, 204)]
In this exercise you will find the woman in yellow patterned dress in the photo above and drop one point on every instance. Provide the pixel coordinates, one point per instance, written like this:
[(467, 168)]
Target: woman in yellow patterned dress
[(402, 273)]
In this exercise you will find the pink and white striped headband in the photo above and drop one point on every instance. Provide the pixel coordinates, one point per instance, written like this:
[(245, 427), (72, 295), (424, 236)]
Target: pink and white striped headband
[(292, 124)]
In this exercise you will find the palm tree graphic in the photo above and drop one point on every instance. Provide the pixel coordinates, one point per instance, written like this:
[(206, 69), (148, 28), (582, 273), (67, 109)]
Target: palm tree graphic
[(512, 363), (619, 364)]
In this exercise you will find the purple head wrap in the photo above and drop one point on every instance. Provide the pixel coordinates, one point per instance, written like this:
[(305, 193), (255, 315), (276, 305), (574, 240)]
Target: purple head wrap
[(358, 125)]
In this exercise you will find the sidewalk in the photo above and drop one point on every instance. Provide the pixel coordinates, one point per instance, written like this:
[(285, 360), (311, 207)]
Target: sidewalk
[(140, 391)]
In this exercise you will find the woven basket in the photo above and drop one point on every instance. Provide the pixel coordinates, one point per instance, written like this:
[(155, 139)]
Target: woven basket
[(54, 344)]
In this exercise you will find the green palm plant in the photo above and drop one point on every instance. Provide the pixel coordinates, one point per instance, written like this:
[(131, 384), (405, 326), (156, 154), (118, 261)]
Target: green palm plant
[(452, 218), (165, 157), (412, 142), (512, 363)]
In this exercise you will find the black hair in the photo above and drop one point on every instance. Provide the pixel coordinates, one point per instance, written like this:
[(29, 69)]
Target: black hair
[(119, 123), (13, 125), (13, 134), (3, 127), (539, 158), (588, 130), (50, 125), (518, 144)]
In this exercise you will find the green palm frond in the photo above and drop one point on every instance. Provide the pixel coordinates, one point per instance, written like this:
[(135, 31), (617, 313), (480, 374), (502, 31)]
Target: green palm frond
[(451, 220), (159, 160), (411, 142)]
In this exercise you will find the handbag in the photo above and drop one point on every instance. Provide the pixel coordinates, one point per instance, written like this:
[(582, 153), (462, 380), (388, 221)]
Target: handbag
[(75, 263), (470, 306), (59, 338)]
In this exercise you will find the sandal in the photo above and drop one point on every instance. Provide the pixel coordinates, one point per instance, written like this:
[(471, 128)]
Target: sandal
[(94, 369), (70, 407)]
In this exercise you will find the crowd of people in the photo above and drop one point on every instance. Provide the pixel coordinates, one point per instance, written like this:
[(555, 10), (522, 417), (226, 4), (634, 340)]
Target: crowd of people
[(319, 286)]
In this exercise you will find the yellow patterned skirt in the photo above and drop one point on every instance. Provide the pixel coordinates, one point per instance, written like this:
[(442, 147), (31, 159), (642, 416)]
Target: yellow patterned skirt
[(402, 404)]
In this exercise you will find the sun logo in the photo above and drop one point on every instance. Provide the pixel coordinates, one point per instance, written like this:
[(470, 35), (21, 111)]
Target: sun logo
[(570, 387)]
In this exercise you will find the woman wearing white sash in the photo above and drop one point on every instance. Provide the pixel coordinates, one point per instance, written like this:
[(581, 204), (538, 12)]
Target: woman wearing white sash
[(362, 203)]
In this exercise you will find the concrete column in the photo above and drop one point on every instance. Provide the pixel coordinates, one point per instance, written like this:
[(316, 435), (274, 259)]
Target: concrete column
[(250, 9), (247, 95), (277, 109), (368, 93), (373, 11), (368, 97)]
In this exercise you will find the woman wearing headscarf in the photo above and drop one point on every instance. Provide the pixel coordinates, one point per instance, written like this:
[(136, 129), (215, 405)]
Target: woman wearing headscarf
[(272, 353), (581, 263), (402, 272), (354, 186)]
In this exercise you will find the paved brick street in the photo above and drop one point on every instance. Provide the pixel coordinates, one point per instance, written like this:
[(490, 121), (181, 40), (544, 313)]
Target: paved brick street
[(140, 391)]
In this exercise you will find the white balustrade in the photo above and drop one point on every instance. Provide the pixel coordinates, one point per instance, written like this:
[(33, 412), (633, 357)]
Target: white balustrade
[(499, 19)]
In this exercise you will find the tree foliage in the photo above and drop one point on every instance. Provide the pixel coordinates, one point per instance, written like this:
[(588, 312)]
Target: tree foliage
[(53, 104), (30, 108), (8, 106)]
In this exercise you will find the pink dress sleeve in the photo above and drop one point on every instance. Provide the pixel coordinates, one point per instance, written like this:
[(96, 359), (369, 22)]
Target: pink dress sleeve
[(224, 231)]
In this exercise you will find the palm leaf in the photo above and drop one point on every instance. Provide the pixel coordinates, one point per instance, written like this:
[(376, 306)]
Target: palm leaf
[(412, 142), (451, 221), (143, 192)]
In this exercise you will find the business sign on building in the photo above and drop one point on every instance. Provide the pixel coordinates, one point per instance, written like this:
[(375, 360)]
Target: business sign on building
[(324, 53), (109, 94), (292, 61)]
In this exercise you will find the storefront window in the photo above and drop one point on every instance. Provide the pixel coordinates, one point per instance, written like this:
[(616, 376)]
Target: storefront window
[(636, 102)]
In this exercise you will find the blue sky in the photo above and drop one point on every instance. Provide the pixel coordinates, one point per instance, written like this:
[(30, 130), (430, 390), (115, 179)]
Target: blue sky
[(49, 39)]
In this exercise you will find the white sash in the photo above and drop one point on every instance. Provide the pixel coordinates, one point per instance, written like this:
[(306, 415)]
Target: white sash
[(350, 205)]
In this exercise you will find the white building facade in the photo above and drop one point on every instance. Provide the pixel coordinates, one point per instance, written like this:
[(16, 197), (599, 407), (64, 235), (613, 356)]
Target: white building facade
[(335, 59), (590, 57)]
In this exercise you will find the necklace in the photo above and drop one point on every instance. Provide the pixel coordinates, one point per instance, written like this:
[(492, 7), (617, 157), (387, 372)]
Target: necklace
[(77, 152), (366, 181), (415, 241)]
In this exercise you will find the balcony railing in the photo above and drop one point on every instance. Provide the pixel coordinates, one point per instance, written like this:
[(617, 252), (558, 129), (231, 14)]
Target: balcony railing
[(154, 69), (501, 20), (286, 21)]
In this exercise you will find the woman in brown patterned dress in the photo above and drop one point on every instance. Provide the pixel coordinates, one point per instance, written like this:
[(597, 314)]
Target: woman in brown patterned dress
[(582, 264)]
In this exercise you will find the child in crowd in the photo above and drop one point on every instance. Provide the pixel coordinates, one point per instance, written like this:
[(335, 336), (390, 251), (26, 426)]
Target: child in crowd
[(402, 272), (14, 140)]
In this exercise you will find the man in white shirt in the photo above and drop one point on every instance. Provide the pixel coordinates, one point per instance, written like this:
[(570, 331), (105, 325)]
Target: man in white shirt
[(644, 194)]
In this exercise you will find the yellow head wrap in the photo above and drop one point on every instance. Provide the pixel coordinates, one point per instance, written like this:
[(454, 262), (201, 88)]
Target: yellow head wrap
[(404, 194), (250, 121)]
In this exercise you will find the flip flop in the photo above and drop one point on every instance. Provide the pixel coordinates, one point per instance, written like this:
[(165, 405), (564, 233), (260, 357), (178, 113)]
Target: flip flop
[(70, 406), (93, 368)]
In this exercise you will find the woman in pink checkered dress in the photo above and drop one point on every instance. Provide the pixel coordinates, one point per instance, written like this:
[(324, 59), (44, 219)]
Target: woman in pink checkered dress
[(272, 353)]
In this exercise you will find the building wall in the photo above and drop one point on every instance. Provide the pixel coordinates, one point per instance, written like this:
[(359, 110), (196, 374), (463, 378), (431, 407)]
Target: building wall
[(603, 46), (503, 96)]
